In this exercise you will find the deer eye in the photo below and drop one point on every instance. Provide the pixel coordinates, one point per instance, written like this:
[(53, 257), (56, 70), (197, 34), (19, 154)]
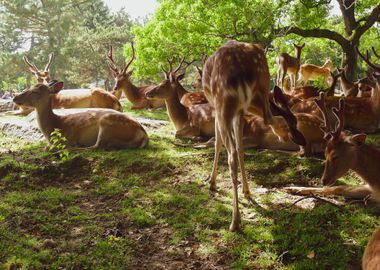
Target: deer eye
[(334, 158)]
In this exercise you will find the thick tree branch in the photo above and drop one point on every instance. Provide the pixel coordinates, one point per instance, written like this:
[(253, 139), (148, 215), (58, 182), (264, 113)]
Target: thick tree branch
[(373, 17), (316, 33)]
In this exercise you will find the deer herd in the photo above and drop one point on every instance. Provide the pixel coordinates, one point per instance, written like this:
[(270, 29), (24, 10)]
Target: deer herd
[(234, 105)]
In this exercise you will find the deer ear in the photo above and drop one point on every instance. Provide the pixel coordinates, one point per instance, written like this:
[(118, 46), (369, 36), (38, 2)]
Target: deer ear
[(358, 139), (55, 87), (180, 77)]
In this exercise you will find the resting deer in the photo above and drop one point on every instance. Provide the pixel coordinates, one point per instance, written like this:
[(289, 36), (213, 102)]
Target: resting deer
[(344, 152), (96, 128), (371, 256), (236, 81), (309, 72), (361, 114), (123, 83), (42, 76), (309, 91), (192, 121), (290, 65), (350, 89), (189, 99), (77, 98)]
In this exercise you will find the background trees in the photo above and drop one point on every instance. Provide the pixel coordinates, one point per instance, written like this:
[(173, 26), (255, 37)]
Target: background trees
[(80, 31), (77, 31)]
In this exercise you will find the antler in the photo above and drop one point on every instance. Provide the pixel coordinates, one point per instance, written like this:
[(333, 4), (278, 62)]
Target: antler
[(339, 113), (329, 133), (132, 58), (366, 59), (326, 126), (51, 57), (111, 62), (31, 65)]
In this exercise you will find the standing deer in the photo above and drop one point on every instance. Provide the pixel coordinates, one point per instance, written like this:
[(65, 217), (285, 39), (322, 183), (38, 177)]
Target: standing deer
[(236, 81), (309, 72), (96, 128), (123, 83), (287, 64)]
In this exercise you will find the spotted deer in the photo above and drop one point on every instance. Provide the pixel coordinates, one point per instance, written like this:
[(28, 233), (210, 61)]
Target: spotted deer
[(344, 152), (309, 72), (96, 128), (361, 114), (290, 65), (236, 81), (135, 94)]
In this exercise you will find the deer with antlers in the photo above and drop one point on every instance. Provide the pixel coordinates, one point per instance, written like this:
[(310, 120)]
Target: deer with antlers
[(361, 114), (76, 98), (193, 120), (290, 65), (344, 152), (96, 128), (135, 94), (309, 72), (42, 76), (236, 81)]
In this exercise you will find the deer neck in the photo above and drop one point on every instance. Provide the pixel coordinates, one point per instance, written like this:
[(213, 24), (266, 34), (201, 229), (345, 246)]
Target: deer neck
[(298, 55), (346, 85), (375, 100), (176, 111), (47, 120), (366, 165), (131, 91), (181, 91)]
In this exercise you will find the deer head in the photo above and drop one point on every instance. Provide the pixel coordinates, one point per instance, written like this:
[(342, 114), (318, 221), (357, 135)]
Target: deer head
[(298, 49), (197, 84), (168, 87), (42, 76), (39, 95), (123, 75), (340, 152)]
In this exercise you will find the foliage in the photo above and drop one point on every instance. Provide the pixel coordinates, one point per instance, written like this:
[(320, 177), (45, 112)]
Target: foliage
[(190, 28), (58, 144), (78, 32)]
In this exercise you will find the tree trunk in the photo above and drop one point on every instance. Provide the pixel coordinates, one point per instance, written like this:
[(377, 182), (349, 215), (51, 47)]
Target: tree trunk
[(350, 58)]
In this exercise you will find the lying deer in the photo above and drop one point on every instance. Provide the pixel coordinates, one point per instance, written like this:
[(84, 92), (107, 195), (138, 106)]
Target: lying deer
[(96, 128), (344, 152), (42, 76), (309, 91), (194, 120), (199, 120), (236, 81), (290, 65), (371, 256), (123, 83), (309, 72), (78, 98)]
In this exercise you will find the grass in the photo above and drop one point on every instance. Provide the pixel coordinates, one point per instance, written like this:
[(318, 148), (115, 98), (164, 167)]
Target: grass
[(138, 209)]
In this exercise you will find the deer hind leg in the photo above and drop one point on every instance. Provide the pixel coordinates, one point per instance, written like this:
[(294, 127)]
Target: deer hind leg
[(238, 127), (355, 192), (218, 147), (227, 132)]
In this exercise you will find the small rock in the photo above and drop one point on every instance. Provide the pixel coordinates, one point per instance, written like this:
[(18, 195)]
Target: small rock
[(49, 243)]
